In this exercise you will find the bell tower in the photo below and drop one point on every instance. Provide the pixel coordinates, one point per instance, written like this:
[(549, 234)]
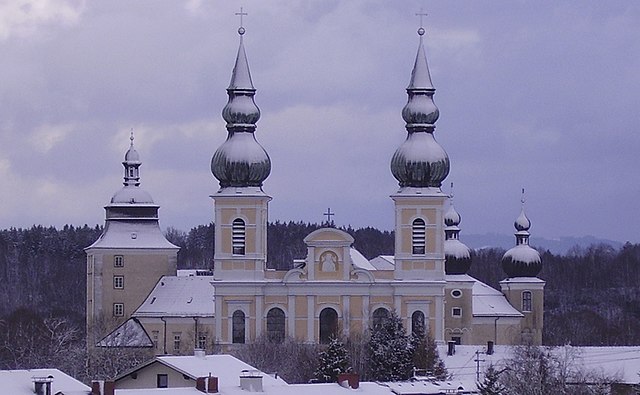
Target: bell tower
[(241, 165)]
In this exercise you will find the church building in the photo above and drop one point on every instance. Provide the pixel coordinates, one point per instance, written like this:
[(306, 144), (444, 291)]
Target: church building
[(335, 290)]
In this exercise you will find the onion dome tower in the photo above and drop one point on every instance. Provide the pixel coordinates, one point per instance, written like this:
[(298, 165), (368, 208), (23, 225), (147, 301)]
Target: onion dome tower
[(241, 161), (522, 260), (420, 161), (131, 243), (457, 254), (241, 165)]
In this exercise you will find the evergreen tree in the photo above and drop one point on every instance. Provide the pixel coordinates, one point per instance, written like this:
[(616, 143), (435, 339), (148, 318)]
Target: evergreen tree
[(425, 354), (390, 351), (491, 384), (333, 361)]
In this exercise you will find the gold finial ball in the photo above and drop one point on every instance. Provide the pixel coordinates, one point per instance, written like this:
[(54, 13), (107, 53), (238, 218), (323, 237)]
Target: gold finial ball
[(241, 30), (421, 31)]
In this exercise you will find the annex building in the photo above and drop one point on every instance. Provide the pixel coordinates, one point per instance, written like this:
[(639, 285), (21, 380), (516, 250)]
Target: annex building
[(136, 297)]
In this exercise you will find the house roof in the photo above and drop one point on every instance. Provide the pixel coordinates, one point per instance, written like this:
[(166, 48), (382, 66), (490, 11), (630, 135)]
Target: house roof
[(130, 333), (489, 302), (621, 363), (384, 262), (179, 296), (20, 382), (359, 260)]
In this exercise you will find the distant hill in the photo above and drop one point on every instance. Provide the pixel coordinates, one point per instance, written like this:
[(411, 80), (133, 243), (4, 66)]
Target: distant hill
[(559, 246)]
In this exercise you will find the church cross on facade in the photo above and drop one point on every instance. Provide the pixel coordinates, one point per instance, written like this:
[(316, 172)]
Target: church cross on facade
[(329, 214)]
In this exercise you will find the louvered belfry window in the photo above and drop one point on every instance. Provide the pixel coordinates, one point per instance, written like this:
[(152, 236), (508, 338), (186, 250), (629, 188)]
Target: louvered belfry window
[(238, 238), (418, 236)]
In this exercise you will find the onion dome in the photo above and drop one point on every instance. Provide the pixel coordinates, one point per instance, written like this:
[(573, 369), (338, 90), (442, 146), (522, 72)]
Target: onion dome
[(457, 255), (522, 260), (420, 161), (241, 161)]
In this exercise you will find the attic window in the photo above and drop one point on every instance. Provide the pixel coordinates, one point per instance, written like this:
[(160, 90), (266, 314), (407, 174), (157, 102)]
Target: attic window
[(152, 300), (456, 293), (134, 235), (190, 300)]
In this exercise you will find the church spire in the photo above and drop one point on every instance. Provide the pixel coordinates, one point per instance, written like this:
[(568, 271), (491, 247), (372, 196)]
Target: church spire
[(420, 161), (457, 254), (241, 161), (522, 260)]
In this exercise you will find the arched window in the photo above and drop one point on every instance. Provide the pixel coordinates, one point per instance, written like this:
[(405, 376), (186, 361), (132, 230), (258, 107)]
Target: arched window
[(238, 323), (526, 301), (328, 325), (380, 315), (275, 325), (418, 236), (418, 326), (238, 238)]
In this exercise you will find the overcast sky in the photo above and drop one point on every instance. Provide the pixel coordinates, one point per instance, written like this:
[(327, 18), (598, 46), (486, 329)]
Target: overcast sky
[(539, 94)]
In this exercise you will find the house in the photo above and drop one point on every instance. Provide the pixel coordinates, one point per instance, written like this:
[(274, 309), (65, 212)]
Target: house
[(40, 382)]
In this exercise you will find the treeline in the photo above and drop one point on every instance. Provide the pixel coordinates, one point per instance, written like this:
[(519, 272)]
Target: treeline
[(592, 295)]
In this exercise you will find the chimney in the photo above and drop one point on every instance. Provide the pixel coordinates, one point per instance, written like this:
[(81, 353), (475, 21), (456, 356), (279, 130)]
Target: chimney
[(199, 353), (42, 385), (212, 385), (251, 380), (489, 347), (103, 387), (452, 348), (349, 380), (200, 384)]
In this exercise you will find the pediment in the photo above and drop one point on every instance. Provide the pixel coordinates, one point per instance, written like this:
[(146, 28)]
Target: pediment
[(325, 236)]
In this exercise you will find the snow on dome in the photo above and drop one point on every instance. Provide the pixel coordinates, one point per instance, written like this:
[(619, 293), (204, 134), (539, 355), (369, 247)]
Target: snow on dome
[(131, 195), (521, 261), (451, 217), (456, 249)]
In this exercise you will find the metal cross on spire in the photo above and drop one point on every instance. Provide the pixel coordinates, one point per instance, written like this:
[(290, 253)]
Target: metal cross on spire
[(329, 214), (522, 198), (241, 14), (131, 137), (421, 14)]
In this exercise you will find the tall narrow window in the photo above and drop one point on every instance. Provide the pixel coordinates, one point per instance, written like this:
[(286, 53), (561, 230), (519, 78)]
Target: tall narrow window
[(417, 323), (275, 325), (238, 327), (238, 239), (162, 381), (328, 325), (118, 261), (118, 309), (380, 315), (118, 282), (418, 236), (177, 337), (202, 340), (154, 337), (526, 301)]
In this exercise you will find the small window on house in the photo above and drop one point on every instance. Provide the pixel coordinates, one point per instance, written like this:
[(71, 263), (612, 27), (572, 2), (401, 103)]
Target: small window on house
[(237, 322), (163, 381), (154, 337), (118, 309), (118, 261), (526, 301), (456, 312), (202, 341), (176, 341), (418, 236), (118, 282), (456, 293), (238, 237), (457, 340)]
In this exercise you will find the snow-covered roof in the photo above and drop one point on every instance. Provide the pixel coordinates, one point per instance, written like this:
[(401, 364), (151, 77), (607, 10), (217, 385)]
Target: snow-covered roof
[(132, 234), (160, 391), (226, 367), (130, 334), (316, 389), (621, 363), (489, 302), (531, 280), (359, 260), (429, 387), (179, 296), (20, 382), (384, 262)]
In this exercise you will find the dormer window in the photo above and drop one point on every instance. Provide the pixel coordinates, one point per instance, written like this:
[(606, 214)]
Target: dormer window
[(418, 236), (238, 239)]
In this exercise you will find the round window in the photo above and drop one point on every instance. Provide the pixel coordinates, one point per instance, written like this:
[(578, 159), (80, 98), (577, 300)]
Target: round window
[(456, 293)]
